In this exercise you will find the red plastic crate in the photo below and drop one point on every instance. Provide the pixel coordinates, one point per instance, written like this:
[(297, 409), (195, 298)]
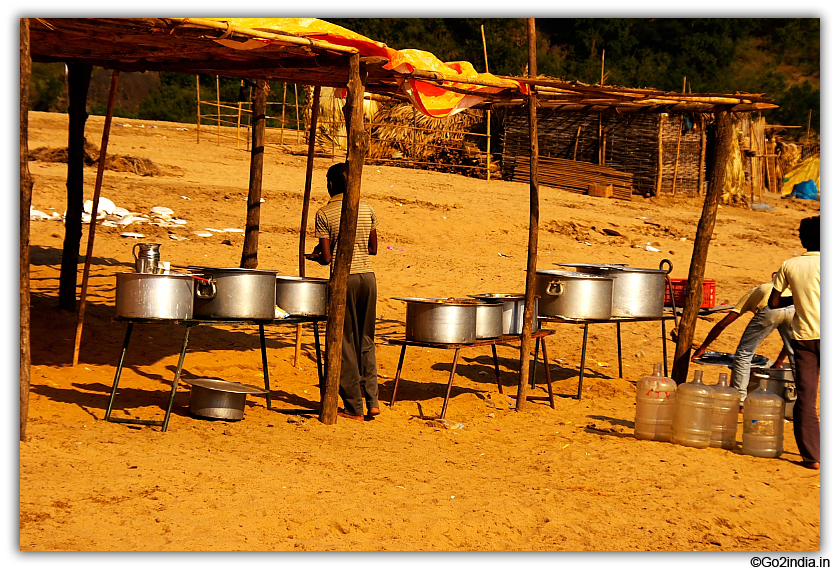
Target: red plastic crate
[(680, 286)]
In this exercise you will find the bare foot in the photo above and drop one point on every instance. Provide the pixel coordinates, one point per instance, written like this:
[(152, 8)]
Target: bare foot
[(810, 465), (374, 411), (349, 417)]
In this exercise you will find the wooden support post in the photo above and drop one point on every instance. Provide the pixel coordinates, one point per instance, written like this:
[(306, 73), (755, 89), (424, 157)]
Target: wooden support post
[(705, 227), (701, 174), (533, 229), (197, 110), (100, 171), (486, 69), (297, 117), (577, 138), (25, 204), (677, 158), (659, 162), (78, 82), (356, 147), (283, 118), (218, 114), (307, 192), (250, 248), (239, 113)]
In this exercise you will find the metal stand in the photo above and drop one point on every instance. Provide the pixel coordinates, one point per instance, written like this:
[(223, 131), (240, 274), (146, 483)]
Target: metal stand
[(189, 324), (538, 335)]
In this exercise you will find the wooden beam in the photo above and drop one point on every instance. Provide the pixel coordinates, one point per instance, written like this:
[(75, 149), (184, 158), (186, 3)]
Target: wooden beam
[(356, 146), (533, 228), (100, 171), (78, 82), (250, 249), (25, 205), (724, 125)]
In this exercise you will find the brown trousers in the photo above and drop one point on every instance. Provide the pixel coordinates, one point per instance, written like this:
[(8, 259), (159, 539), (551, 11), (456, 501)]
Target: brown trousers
[(358, 383), (806, 422)]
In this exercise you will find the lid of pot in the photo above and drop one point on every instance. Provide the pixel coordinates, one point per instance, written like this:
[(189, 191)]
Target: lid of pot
[(302, 279), (224, 386), (438, 300), (572, 274), (485, 297), (201, 269), (597, 265)]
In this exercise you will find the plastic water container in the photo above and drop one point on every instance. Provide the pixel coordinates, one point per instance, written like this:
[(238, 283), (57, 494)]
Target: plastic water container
[(764, 422), (692, 425), (725, 414), (656, 396)]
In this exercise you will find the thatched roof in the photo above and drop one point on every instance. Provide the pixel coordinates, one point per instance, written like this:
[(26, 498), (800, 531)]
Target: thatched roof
[(316, 53)]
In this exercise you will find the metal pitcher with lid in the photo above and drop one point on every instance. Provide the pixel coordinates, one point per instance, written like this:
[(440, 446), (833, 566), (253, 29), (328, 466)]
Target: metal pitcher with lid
[(147, 257)]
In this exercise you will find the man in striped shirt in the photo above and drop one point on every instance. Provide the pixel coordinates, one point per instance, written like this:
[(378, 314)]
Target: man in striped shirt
[(358, 383)]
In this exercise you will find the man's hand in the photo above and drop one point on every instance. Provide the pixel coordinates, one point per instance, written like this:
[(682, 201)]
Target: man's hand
[(698, 353)]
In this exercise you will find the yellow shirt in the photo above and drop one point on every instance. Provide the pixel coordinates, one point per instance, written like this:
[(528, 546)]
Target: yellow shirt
[(802, 276)]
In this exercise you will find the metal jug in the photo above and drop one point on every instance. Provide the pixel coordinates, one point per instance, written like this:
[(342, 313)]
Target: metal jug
[(147, 257)]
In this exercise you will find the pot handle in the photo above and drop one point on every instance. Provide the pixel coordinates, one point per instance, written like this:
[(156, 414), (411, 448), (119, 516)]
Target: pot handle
[(134, 251), (199, 289), (668, 262), (549, 289)]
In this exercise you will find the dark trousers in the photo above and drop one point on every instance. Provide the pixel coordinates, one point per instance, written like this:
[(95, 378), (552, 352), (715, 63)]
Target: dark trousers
[(358, 384), (806, 423)]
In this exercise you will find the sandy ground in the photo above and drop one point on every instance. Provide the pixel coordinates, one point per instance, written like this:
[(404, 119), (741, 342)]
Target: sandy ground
[(571, 478)]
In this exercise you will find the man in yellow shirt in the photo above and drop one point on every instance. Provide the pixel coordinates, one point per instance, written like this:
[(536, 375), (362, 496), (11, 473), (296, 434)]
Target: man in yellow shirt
[(802, 276), (764, 321)]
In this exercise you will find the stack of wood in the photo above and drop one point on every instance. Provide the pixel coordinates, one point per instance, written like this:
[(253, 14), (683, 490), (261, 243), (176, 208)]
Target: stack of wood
[(574, 175)]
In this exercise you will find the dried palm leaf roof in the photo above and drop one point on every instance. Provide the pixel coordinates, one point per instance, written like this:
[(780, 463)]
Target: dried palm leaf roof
[(316, 53)]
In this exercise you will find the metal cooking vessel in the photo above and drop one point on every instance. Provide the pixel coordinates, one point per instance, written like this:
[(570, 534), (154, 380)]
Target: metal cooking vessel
[(440, 321), (217, 398), (574, 295), (637, 292), (488, 319), (239, 294), (303, 296), (513, 313), (154, 296)]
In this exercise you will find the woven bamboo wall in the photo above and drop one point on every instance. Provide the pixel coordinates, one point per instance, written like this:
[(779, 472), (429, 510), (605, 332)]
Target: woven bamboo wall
[(632, 145)]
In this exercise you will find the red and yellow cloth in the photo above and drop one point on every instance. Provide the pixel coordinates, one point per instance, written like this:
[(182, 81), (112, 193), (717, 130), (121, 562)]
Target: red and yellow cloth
[(430, 98)]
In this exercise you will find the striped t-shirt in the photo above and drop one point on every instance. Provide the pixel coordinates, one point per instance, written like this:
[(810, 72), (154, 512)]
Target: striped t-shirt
[(326, 226)]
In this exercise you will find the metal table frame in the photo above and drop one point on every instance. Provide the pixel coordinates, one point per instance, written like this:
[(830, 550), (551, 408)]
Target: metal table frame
[(189, 324), (618, 320), (538, 336)]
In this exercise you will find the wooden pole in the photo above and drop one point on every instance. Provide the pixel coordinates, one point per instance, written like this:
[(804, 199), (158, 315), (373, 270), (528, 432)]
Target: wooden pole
[(701, 174), (307, 192), (283, 118), (218, 114), (250, 248), (297, 117), (197, 110), (533, 229), (694, 296), (808, 132), (78, 82), (239, 113), (25, 205), (100, 171), (487, 69), (677, 158), (356, 147), (659, 163), (577, 138)]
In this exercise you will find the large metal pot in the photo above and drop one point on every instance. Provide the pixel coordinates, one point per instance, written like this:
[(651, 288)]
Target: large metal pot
[(303, 296), (239, 293), (780, 381), (637, 292), (440, 321), (513, 311), (217, 398), (574, 295), (488, 319), (154, 296)]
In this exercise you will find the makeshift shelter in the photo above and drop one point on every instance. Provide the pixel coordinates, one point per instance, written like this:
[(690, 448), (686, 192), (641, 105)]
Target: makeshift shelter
[(309, 51)]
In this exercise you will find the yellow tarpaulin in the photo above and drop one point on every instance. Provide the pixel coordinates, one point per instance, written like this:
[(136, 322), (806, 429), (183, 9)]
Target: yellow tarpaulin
[(808, 169), (430, 98)]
